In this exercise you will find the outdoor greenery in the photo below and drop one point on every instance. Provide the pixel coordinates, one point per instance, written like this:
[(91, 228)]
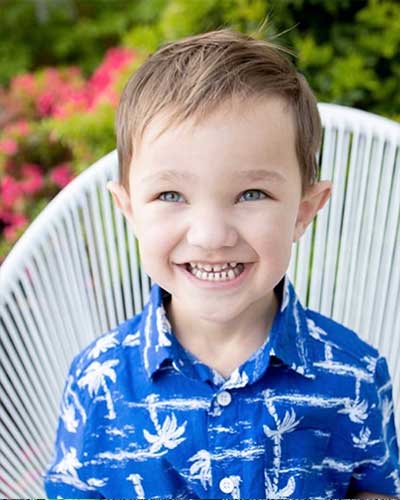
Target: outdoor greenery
[(63, 64)]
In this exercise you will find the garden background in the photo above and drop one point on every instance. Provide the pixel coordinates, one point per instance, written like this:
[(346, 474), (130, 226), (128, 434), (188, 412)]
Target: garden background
[(63, 64)]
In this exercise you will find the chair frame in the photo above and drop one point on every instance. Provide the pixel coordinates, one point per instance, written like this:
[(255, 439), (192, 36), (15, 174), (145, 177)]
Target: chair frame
[(352, 245)]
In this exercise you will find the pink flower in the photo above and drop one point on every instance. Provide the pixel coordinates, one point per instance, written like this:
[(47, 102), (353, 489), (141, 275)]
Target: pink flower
[(20, 127), (46, 90), (61, 175), (73, 72), (14, 222), (102, 80), (8, 146), (10, 190), (77, 101), (45, 103), (64, 92), (32, 178), (24, 83), (115, 59)]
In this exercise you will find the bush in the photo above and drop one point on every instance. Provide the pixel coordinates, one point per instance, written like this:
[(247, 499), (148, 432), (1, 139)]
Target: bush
[(35, 34), (347, 49), (54, 134)]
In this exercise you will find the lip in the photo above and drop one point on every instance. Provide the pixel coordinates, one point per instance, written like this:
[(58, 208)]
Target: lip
[(217, 285)]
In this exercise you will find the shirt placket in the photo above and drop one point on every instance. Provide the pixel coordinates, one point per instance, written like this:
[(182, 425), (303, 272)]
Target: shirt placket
[(226, 469)]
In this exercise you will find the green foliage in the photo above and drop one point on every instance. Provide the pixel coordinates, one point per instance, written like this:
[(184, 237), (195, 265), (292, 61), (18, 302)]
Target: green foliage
[(40, 33), (41, 148), (87, 136), (146, 38), (348, 49)]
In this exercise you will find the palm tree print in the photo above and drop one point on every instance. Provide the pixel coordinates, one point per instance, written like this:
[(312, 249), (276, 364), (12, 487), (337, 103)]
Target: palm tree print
[(132, 340), (69, 463), (396, 480), (201, 468), (94, 378), (68, 410), (163, 327), (68, 416), (387, 410), (236, 489), (103, 344), (96, 483), (315, 331), (362, 440), (168, 434), (137, 484), (237, 380), (370, 363), (288, 424), (272, 491), (356, 410)]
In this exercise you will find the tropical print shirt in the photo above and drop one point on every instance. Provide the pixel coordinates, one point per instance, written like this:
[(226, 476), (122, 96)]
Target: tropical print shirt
[(310, 413)]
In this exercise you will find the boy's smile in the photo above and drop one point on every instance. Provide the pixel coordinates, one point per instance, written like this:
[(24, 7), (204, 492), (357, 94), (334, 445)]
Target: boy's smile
[(222, 276), (225, 190)]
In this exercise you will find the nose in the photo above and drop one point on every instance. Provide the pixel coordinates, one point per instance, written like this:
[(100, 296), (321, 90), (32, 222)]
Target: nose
[(211, 231)]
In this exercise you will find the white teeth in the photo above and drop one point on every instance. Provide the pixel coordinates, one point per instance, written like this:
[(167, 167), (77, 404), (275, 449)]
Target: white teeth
[(210, 268), (220, 276)]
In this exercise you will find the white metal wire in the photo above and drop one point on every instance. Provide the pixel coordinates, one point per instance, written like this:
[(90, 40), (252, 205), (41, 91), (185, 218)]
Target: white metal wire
[(76, 273)]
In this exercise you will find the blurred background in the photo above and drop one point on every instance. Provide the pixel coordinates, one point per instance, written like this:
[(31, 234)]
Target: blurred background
[(63, 64)]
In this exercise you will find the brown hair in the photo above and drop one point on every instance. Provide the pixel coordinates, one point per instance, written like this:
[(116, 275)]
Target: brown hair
[(194, 75)]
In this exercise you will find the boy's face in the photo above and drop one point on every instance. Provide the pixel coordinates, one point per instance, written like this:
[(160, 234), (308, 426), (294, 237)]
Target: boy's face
[(216, 214)]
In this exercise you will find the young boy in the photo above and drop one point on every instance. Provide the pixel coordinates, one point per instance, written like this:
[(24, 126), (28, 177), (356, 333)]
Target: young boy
[(224, 385)]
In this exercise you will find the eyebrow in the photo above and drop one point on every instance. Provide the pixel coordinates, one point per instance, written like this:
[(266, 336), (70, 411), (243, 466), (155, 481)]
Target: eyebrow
[(250, 174)]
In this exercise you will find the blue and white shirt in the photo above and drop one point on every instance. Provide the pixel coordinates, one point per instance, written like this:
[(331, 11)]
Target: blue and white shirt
[(310, 413)]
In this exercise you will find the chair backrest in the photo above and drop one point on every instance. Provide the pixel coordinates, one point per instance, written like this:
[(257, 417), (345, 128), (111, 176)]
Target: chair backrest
[(75, 274)]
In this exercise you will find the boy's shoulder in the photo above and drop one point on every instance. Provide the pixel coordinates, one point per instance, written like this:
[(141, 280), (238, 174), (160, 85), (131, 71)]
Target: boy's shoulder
[(331, 347), (110, 345), (334, 341)]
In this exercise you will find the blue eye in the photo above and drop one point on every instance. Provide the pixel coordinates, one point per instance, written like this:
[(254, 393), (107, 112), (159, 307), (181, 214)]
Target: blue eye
[(252, 198), (175, 194), (169, 198)]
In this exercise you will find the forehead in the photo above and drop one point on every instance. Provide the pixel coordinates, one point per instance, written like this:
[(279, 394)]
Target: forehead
[(239, 134), (230, 112)]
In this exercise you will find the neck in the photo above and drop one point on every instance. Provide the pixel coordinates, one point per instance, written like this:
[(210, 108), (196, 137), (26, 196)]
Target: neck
[(224, 346)]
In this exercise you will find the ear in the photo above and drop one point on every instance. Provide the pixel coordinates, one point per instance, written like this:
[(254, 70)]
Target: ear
[(122, 201), (312, 201)]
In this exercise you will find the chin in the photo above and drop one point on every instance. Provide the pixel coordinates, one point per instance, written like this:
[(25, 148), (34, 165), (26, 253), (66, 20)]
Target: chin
[(214, 313)]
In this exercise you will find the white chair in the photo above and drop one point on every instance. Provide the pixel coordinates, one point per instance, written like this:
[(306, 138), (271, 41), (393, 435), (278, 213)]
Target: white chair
[(74, 275)]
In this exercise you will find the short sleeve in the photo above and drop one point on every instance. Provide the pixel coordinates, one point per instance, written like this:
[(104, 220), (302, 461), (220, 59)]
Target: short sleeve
[(68, 476), (378, 468)]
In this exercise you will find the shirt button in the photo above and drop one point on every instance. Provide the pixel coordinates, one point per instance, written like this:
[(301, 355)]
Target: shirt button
[(224, 398), (226, 485)]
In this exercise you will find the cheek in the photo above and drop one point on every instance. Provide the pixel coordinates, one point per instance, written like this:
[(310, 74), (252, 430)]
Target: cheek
[(275, 225), (272, 236), (154, 253), (156, 240)]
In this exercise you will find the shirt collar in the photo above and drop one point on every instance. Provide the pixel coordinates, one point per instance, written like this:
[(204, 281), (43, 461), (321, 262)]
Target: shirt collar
[(288, 339), (290, 334)]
